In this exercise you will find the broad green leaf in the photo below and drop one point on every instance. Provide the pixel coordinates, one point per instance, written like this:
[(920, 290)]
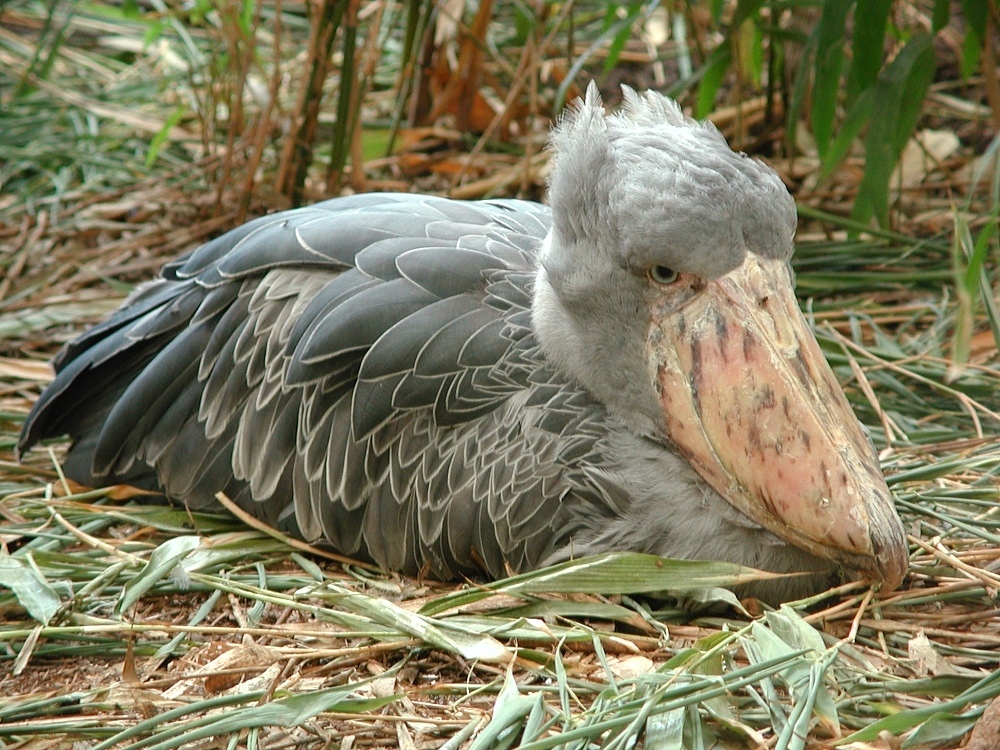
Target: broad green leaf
[(941, 686), (974, 12), (284, 712), (916, 83), (375, 142), (972, 45), (153, 32), (246, 18), (161, 137), (149, 725), (611, 573), (789, 633), (942, 14), (536, 724), (623, 35), (682, 657), (745, 10), (308, 566), (986, 689), (795, 107), (899, 92), (571, 608), (750, 44), (714, 71), (788, 625), (509, 712), (759, 650), (442, 634), (162, 561), (632, 572), (806, 696), (175, 521), (30, 588), (857, 118), (829, 62), (942, 729), (867, 45), (666, 731), (714, 595), (676, 696), (968, 257)]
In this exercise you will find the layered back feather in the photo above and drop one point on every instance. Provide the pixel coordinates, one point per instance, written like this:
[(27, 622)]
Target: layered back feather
[(361, 372)]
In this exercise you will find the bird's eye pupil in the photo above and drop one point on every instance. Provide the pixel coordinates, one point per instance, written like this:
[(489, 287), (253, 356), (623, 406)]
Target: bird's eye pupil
[(663, 275)]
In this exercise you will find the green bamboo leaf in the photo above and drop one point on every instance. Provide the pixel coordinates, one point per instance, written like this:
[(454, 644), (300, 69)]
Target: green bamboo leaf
[(857, 118), (713, 71), (975, 15), (548, 608), (799, 89), (968, 257), (628, 573), (749, 43), (745, 10), (447, 636), (899, 91), (623, 35), (151, 724), (160, 139), (942, 730), (941, 686), (611, 573), (986, 689), (714, 595), (990, 302), (285, 712), (30, 588), (175, 520), (787, 624), (942, 14), (666, 731), (870, 19), (829, 62), (807, 695), (930, 471), (162, 561), (308, 566), (686, 694), (916, 83), (747, 39), (246, 18), (509, 713), (536, 725), (228, 547)]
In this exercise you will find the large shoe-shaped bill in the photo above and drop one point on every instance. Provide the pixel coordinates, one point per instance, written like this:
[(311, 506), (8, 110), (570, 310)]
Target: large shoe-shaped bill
[(750, 401)]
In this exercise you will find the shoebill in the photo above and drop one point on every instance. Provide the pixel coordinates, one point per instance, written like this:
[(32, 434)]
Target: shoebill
[(467, 388)]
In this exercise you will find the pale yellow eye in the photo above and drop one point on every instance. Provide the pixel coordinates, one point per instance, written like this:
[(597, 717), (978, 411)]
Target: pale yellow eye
[(663, 275)]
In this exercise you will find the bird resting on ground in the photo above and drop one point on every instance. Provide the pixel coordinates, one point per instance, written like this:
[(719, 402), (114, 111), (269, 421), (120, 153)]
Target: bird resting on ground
[(458, 387)]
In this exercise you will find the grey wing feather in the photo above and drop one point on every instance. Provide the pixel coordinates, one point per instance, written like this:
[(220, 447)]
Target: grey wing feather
[(362, 371)]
